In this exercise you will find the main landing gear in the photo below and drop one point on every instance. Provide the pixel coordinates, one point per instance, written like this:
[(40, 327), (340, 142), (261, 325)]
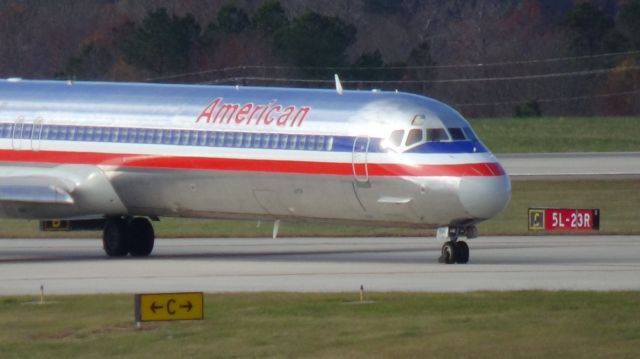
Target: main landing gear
[(122, 236), (454, 250)]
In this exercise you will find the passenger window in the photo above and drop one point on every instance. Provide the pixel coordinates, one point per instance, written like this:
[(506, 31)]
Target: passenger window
[(195, 138), (9, 130), (275, 140), (131, 138), (185, 136), (26, 131), (265, 140), (62, 133), (80, 133), (311, 143), (396, 137), (220, 139), (247, 140), (302, 142), (457, 134), (106, 134), (320, 143), (257, 140), (415, 135), (202, 138), (45, 132), (175, 137), (228, 142), (239, 139), (283, 141), (167, 137), (97, 134), (53, 133), (149, 135), (293, 139), (437, 135), (114, 134), (157, 137), (330, 144), (71, 135), (211, 139)]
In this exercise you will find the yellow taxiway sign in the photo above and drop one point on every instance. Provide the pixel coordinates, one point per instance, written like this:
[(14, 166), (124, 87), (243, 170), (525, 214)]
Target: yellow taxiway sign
[(169, 306)]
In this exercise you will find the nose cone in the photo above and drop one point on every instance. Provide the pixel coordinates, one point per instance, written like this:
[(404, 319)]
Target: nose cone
[(483, 197)]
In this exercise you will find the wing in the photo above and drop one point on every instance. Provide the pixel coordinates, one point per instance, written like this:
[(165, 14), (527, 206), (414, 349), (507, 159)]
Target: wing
[(57, 192), (36, 190)]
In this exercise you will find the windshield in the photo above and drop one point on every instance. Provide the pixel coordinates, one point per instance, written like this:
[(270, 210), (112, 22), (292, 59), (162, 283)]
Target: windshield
[(422, 130)]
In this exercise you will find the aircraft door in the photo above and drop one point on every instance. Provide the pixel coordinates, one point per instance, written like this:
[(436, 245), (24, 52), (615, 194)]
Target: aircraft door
[(360, 158), (16, 135), (26, 134)]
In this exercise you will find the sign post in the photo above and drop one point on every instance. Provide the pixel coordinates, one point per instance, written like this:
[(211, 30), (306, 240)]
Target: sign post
[(169, 306), (564, 219)]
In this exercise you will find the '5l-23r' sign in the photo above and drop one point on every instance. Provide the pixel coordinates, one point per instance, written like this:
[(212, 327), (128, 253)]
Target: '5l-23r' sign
[(564, 219)]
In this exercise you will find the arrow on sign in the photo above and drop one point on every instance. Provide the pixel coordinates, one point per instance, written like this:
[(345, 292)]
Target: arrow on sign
[(188, 306), (155, 307)]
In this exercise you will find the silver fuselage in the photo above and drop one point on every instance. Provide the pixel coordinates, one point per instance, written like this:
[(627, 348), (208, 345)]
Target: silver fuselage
[(72, 150)]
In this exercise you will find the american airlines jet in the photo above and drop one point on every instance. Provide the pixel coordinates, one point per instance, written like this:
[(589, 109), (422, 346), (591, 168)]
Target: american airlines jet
[(124, 153)]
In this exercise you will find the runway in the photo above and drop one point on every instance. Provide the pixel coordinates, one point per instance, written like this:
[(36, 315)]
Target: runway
[(321, 265), (587, 165)]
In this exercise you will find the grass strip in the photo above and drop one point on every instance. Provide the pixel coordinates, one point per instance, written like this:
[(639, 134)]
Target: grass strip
[(559, 134), (531, 324)]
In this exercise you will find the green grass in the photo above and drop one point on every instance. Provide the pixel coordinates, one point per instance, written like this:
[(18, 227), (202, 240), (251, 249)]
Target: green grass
[(618, 201), (395, 325), (559, 134)]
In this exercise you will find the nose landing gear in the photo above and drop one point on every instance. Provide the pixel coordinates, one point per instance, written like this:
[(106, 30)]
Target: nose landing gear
[(454, 250)]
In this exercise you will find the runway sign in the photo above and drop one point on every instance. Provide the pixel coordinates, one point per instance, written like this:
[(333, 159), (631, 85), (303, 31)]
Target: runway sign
[(169, 306), (564, 219)]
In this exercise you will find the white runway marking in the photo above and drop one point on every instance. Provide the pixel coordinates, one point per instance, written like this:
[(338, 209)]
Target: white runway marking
[(322, 264)]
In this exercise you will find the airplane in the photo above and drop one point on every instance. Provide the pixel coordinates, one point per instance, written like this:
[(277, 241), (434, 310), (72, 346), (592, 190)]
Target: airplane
[(115, 155)]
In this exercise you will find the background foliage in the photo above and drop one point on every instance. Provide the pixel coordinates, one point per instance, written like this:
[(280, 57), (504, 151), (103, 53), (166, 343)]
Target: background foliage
[(486, 57)]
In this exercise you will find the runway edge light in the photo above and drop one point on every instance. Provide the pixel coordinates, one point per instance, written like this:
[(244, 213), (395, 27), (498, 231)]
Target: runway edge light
[(151, 307)]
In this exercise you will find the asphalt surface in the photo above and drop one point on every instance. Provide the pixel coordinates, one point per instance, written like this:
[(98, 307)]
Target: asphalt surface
[(545, 166), (321, 265)]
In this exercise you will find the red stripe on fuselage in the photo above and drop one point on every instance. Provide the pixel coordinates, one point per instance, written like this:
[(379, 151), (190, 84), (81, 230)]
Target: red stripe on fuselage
[(250, 165)]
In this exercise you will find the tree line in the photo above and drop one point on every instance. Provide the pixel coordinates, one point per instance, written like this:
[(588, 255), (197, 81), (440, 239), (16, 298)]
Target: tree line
[(473, 54)]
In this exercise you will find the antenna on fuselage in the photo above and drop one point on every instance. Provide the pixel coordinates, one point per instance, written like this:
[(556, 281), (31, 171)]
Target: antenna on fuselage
[(338, 84)]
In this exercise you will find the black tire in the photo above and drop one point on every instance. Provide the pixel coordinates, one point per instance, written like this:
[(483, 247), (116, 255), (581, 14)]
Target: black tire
[(141, 237), (462, 249), (449, 253), (115, 240)]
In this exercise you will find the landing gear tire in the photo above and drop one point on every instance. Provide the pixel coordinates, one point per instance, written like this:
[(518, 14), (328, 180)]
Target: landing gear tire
[(462, 252), (449, 253), (141, 237), (115, 239)]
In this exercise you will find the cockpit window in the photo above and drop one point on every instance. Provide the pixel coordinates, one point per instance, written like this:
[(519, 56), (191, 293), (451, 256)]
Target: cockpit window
[(457, 134), (418, 120), (396, 137), (469, 132), (415, 135), (437, 135)]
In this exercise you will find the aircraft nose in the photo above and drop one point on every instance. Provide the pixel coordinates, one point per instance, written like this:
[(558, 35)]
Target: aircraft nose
[(484, 197)]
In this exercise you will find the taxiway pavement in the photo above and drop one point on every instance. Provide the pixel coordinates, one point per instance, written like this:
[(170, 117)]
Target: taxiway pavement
[(78, 266)]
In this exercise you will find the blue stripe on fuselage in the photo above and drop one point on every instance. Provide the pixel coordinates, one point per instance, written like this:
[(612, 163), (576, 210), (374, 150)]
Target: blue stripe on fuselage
[(450, 147), (345, 144), (219, 139)]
